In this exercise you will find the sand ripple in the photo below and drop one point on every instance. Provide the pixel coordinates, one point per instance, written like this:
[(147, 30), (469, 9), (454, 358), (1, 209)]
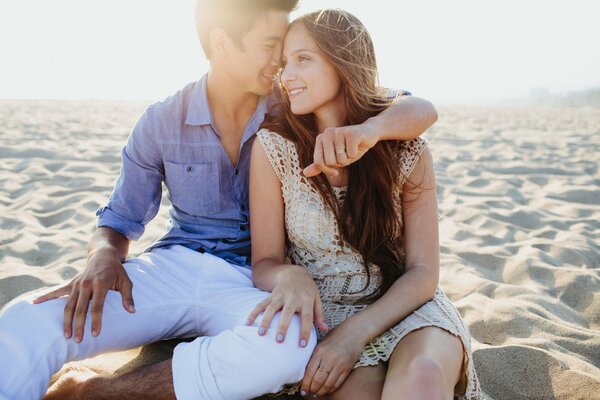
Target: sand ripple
[(519, 194)]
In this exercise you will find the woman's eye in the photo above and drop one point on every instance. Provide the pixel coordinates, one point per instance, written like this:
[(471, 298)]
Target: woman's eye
[(303, 58)]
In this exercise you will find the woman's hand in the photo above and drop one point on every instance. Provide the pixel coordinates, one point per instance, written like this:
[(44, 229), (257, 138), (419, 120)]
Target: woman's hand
[(295, 292), (333, 360)]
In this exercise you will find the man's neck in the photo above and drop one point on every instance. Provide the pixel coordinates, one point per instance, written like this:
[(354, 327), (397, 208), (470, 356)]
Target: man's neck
[(229, 104)]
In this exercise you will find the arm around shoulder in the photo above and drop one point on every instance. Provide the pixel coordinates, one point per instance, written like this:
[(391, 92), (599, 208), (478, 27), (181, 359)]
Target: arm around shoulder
[(405, 119)]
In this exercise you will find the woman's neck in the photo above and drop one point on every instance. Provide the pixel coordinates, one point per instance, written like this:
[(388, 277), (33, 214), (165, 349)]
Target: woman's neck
[(331, 116)]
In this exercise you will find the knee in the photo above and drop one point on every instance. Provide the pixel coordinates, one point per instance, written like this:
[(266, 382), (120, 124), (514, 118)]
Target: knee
[(288, 360), (26, 315), (426, 375)]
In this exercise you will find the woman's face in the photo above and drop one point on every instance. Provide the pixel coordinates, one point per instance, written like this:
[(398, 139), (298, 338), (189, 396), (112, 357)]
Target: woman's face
[(310, 80)]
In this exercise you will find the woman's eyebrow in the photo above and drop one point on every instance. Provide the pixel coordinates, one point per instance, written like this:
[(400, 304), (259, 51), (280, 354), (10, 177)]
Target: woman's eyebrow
[(301, 50)]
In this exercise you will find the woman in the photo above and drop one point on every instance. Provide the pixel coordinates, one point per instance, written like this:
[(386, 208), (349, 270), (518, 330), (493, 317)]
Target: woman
[(363, 240)]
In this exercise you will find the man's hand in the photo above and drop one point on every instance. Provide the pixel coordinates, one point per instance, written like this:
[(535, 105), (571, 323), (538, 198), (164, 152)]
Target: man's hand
[(338, 147), (333, 360), (104, 271), (296, 292)]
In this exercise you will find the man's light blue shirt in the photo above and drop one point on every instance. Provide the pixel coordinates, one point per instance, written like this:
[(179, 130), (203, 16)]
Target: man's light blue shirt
[(177, 142)]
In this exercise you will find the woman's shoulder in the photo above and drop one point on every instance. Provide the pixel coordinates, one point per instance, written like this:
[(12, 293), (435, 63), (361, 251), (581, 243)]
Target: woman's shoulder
[(408, 153), (412, 146), (272, 141), (267, 135)]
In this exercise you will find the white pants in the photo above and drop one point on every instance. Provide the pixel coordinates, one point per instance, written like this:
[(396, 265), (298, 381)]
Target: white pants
[(177, 293)]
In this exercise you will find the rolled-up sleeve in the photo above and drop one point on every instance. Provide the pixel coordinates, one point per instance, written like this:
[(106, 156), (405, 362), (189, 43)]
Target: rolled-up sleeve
[(135, 199)]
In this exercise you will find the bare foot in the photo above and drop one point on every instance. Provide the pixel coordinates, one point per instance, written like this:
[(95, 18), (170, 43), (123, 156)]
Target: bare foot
[(70, 384)]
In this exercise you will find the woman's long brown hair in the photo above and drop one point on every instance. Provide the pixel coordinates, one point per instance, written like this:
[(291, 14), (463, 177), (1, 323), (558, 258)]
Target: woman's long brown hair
[(368, 218)]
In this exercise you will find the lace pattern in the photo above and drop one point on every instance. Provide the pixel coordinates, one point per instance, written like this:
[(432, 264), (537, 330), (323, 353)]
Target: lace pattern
[(315, 243)]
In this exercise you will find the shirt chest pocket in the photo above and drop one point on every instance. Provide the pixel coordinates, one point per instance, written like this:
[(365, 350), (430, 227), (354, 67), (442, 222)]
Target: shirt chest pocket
[(193, 188)]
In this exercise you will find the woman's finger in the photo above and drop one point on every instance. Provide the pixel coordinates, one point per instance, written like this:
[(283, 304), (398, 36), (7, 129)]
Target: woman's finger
[(260, 307), (306, 323), (340, 380), (311, 369), (330, 382), (268, 316), (319, 379), (285, 317), (319, 318)]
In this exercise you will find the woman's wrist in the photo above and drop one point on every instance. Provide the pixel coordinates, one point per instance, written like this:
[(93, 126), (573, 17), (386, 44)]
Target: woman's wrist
[(360, 329), (291, 271)]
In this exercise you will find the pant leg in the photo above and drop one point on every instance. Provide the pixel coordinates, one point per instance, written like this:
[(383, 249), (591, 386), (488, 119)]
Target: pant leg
[(231, 361), (32, 345)]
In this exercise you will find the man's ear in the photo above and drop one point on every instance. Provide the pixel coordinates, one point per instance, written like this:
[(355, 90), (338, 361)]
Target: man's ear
[(218, 41)]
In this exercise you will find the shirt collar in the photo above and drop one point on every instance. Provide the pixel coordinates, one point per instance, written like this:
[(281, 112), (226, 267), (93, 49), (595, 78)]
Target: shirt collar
[(198, 112)]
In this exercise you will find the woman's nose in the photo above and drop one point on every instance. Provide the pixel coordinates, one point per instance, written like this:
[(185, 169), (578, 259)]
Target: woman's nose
[(287, 75)]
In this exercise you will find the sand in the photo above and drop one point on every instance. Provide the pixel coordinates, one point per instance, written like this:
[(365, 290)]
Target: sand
[(519, 199)]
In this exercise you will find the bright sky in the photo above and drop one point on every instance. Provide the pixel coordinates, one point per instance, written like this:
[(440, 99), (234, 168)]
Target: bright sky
[(443, 50)]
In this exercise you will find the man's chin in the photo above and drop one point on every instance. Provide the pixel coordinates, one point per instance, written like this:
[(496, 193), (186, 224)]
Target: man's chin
[(264, 91)]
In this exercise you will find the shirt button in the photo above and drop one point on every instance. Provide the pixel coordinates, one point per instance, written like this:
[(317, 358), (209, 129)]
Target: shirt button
[(190, 168), (236, 171)]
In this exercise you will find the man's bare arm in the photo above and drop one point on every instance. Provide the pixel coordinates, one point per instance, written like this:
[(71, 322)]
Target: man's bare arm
[(406, 119)]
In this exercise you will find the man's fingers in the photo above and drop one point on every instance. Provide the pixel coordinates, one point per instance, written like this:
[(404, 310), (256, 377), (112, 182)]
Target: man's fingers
[(329, 152), (55, 294), (127, 296), (68, 313), (81, 313), (352, 150), (312, 170), (96, 307), (315, 169), (339, 143)]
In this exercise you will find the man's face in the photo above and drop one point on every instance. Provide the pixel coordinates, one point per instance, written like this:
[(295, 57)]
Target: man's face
[(256, 63)]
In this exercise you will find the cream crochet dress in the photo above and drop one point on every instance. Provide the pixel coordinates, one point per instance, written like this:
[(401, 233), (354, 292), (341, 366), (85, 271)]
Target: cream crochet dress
[(338, 270)]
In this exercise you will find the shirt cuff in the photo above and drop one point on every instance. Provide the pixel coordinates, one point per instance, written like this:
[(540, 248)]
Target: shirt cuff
[(108, 218)]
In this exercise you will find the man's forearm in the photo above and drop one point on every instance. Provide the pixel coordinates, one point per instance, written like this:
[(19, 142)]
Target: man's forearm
[(406, 119)]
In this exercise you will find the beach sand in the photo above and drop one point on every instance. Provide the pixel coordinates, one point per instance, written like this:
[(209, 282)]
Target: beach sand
[(519, 200)]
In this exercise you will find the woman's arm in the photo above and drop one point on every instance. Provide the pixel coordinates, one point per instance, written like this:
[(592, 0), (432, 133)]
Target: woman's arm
[(421, 242), (340, 349), (293, 289)]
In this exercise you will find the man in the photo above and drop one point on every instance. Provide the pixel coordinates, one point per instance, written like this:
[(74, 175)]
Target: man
[(195, 281)]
